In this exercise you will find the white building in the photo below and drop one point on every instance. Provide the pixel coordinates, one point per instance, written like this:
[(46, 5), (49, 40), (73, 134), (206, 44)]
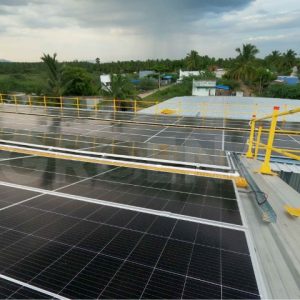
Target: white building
[(183, 74), (105, 81), (204, 88), (220, 73)]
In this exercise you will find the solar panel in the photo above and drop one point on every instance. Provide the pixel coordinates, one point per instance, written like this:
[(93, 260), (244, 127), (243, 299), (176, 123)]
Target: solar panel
[(199, 197), (83, 133), (116, 147), (87, 250)]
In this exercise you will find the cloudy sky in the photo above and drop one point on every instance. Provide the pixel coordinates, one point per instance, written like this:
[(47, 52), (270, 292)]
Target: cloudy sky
[(141, 29)]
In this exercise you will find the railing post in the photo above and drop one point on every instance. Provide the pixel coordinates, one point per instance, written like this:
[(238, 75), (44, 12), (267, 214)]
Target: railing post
[(77, 104), (257, 142), (45, 102), (205, 109), (61, 102), (285, 110), (15, 99), (115, 107), (29, 101), (225, 110), (265, 167), (249, 153), (95, 104), (135, 106), (180, 109), (1, 99)]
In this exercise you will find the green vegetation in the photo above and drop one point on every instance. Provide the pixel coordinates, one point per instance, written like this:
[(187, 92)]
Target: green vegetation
[(193, 61), (176, 90), (78, 82), (76, 78), (56, 86), (66, 80), (148, 84), (27, 83), (121, 88), (244, 67), (282, 91)]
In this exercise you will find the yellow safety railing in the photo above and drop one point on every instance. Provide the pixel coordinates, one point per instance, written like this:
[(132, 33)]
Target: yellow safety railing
[(254, 144), (179, 107)]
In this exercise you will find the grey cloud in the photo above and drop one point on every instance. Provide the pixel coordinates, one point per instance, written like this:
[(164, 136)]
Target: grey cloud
[(153, 28), (139, 16), (20, 2), (155, 14)]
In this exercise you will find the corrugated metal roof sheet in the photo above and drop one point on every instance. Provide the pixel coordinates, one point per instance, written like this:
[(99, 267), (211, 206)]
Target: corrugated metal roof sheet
[(277, 167)]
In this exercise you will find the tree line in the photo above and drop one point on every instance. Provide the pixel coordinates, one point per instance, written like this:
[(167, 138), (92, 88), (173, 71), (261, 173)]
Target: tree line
[(82, 78)]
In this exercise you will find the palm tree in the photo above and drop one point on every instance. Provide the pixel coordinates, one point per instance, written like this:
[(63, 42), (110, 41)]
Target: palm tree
[(247, 53), (244, 67), (275, 55), (274, 61), (192, 60), (56, 85), (289, 58)]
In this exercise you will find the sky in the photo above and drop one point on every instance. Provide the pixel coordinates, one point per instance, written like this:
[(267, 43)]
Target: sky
[(141, 29)]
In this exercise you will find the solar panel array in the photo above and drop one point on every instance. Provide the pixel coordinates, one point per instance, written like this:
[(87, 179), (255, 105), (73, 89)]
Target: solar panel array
[(199, 197), (102, 135), (139, 117), (84, 250), (80, 230)]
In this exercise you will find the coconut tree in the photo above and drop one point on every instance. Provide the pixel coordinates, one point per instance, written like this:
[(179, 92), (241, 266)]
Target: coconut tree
[(192, 60), (244, 66), (274, 60), (247, 53), (56, 85), (289, 58)]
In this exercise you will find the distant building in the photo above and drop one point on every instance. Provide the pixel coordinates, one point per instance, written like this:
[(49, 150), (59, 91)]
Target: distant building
[(239, 94), (145, 73), (294, 71), (204, 88), (223, 90), (289, 80), (105, 81), (183, 74), (219, 73)]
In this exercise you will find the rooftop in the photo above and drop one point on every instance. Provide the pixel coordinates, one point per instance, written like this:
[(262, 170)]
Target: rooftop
[(139, 206)]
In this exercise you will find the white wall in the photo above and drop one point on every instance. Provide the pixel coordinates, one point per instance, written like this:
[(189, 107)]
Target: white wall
[(105, 79), (183, 74), (204, 91)]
